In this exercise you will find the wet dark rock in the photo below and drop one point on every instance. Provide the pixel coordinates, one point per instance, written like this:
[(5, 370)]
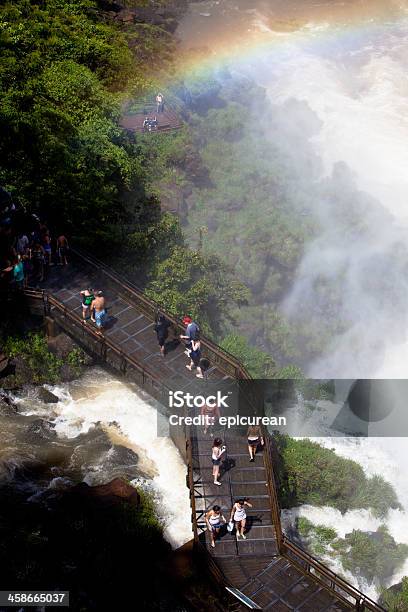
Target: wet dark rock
[(110, 492), (67, 373), (7, 406), (61, 345), (40, 429), (46, 396), (4, 362), (120, 456), (20, 374)]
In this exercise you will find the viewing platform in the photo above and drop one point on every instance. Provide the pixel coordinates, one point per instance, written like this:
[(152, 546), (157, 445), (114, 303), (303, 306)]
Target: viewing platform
[(167, 121), (264, 572)]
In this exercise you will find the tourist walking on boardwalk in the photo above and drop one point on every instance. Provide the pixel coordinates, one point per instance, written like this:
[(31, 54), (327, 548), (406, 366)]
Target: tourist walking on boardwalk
[(87, 296), (202, 368), (214, 520), (98, 311), (209, 415), (217, 451), (238, 515), (62, 250), (192, 333), (195, 355), (255, 438), (162, 331)]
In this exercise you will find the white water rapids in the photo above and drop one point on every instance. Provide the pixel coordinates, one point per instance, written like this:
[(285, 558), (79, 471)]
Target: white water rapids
[(130, 419)]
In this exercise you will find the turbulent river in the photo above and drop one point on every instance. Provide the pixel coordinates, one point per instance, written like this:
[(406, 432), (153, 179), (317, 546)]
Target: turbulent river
[(100, 428), (335, 74)]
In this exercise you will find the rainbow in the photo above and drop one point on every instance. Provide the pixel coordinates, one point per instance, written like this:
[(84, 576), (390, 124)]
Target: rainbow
[(254, 44)]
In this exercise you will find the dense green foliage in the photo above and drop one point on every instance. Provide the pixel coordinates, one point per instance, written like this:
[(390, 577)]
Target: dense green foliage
[(258, 363), (395, 599), (62, 152), (197, 284), (371, 555), (37, 364), (241, 196), (65, 73), (311, 474), (318, 537)]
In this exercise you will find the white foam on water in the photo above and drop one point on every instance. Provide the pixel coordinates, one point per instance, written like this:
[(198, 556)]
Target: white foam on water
[(330, 517), (103, 398)]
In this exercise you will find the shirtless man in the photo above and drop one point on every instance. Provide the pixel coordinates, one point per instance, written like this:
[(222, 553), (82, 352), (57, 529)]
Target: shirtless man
[(62, 248), (98, 310)]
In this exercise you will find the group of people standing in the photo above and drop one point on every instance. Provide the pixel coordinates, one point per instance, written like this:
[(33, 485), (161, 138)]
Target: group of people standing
[(214, 518), (192, 343), (93, 307), (193, 348), (151, 124), (32, 253)]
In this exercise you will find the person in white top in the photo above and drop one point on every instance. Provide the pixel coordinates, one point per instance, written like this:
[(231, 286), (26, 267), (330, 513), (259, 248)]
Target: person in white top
[(238, 514), (217, 451), (214, 520)]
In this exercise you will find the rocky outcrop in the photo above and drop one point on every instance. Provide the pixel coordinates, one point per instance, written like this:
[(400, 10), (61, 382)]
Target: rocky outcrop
[(165, 16), (109, 493), (46, 396)]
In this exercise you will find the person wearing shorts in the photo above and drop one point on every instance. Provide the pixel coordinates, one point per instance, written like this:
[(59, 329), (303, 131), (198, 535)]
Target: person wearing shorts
[(214, 520), (47, 249), (210, 416), (62, 248), (195, 355), (98, 308), (255, 438), (217, 451), (238, 514), (87, 297)]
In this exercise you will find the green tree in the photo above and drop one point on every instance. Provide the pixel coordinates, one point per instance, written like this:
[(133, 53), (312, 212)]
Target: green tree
[(258, 363), (395, 599), (312, 474), (188, 282)]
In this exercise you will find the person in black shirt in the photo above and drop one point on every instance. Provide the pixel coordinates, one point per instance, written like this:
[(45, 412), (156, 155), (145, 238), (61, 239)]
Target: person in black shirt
[(161, 328)]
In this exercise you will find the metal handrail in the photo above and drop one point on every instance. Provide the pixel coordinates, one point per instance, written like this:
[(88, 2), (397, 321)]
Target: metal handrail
[(360, 599), (285, 544), (102, 340), (272, 490), (152, 307), (243, 599)]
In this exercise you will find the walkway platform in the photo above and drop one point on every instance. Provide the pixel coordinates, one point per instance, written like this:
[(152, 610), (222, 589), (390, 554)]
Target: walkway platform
[(129, 328), (166, 121), (273, 572), (254, 566)]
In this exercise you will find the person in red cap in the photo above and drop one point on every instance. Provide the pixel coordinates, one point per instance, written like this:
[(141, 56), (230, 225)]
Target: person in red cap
[(192, 333)]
